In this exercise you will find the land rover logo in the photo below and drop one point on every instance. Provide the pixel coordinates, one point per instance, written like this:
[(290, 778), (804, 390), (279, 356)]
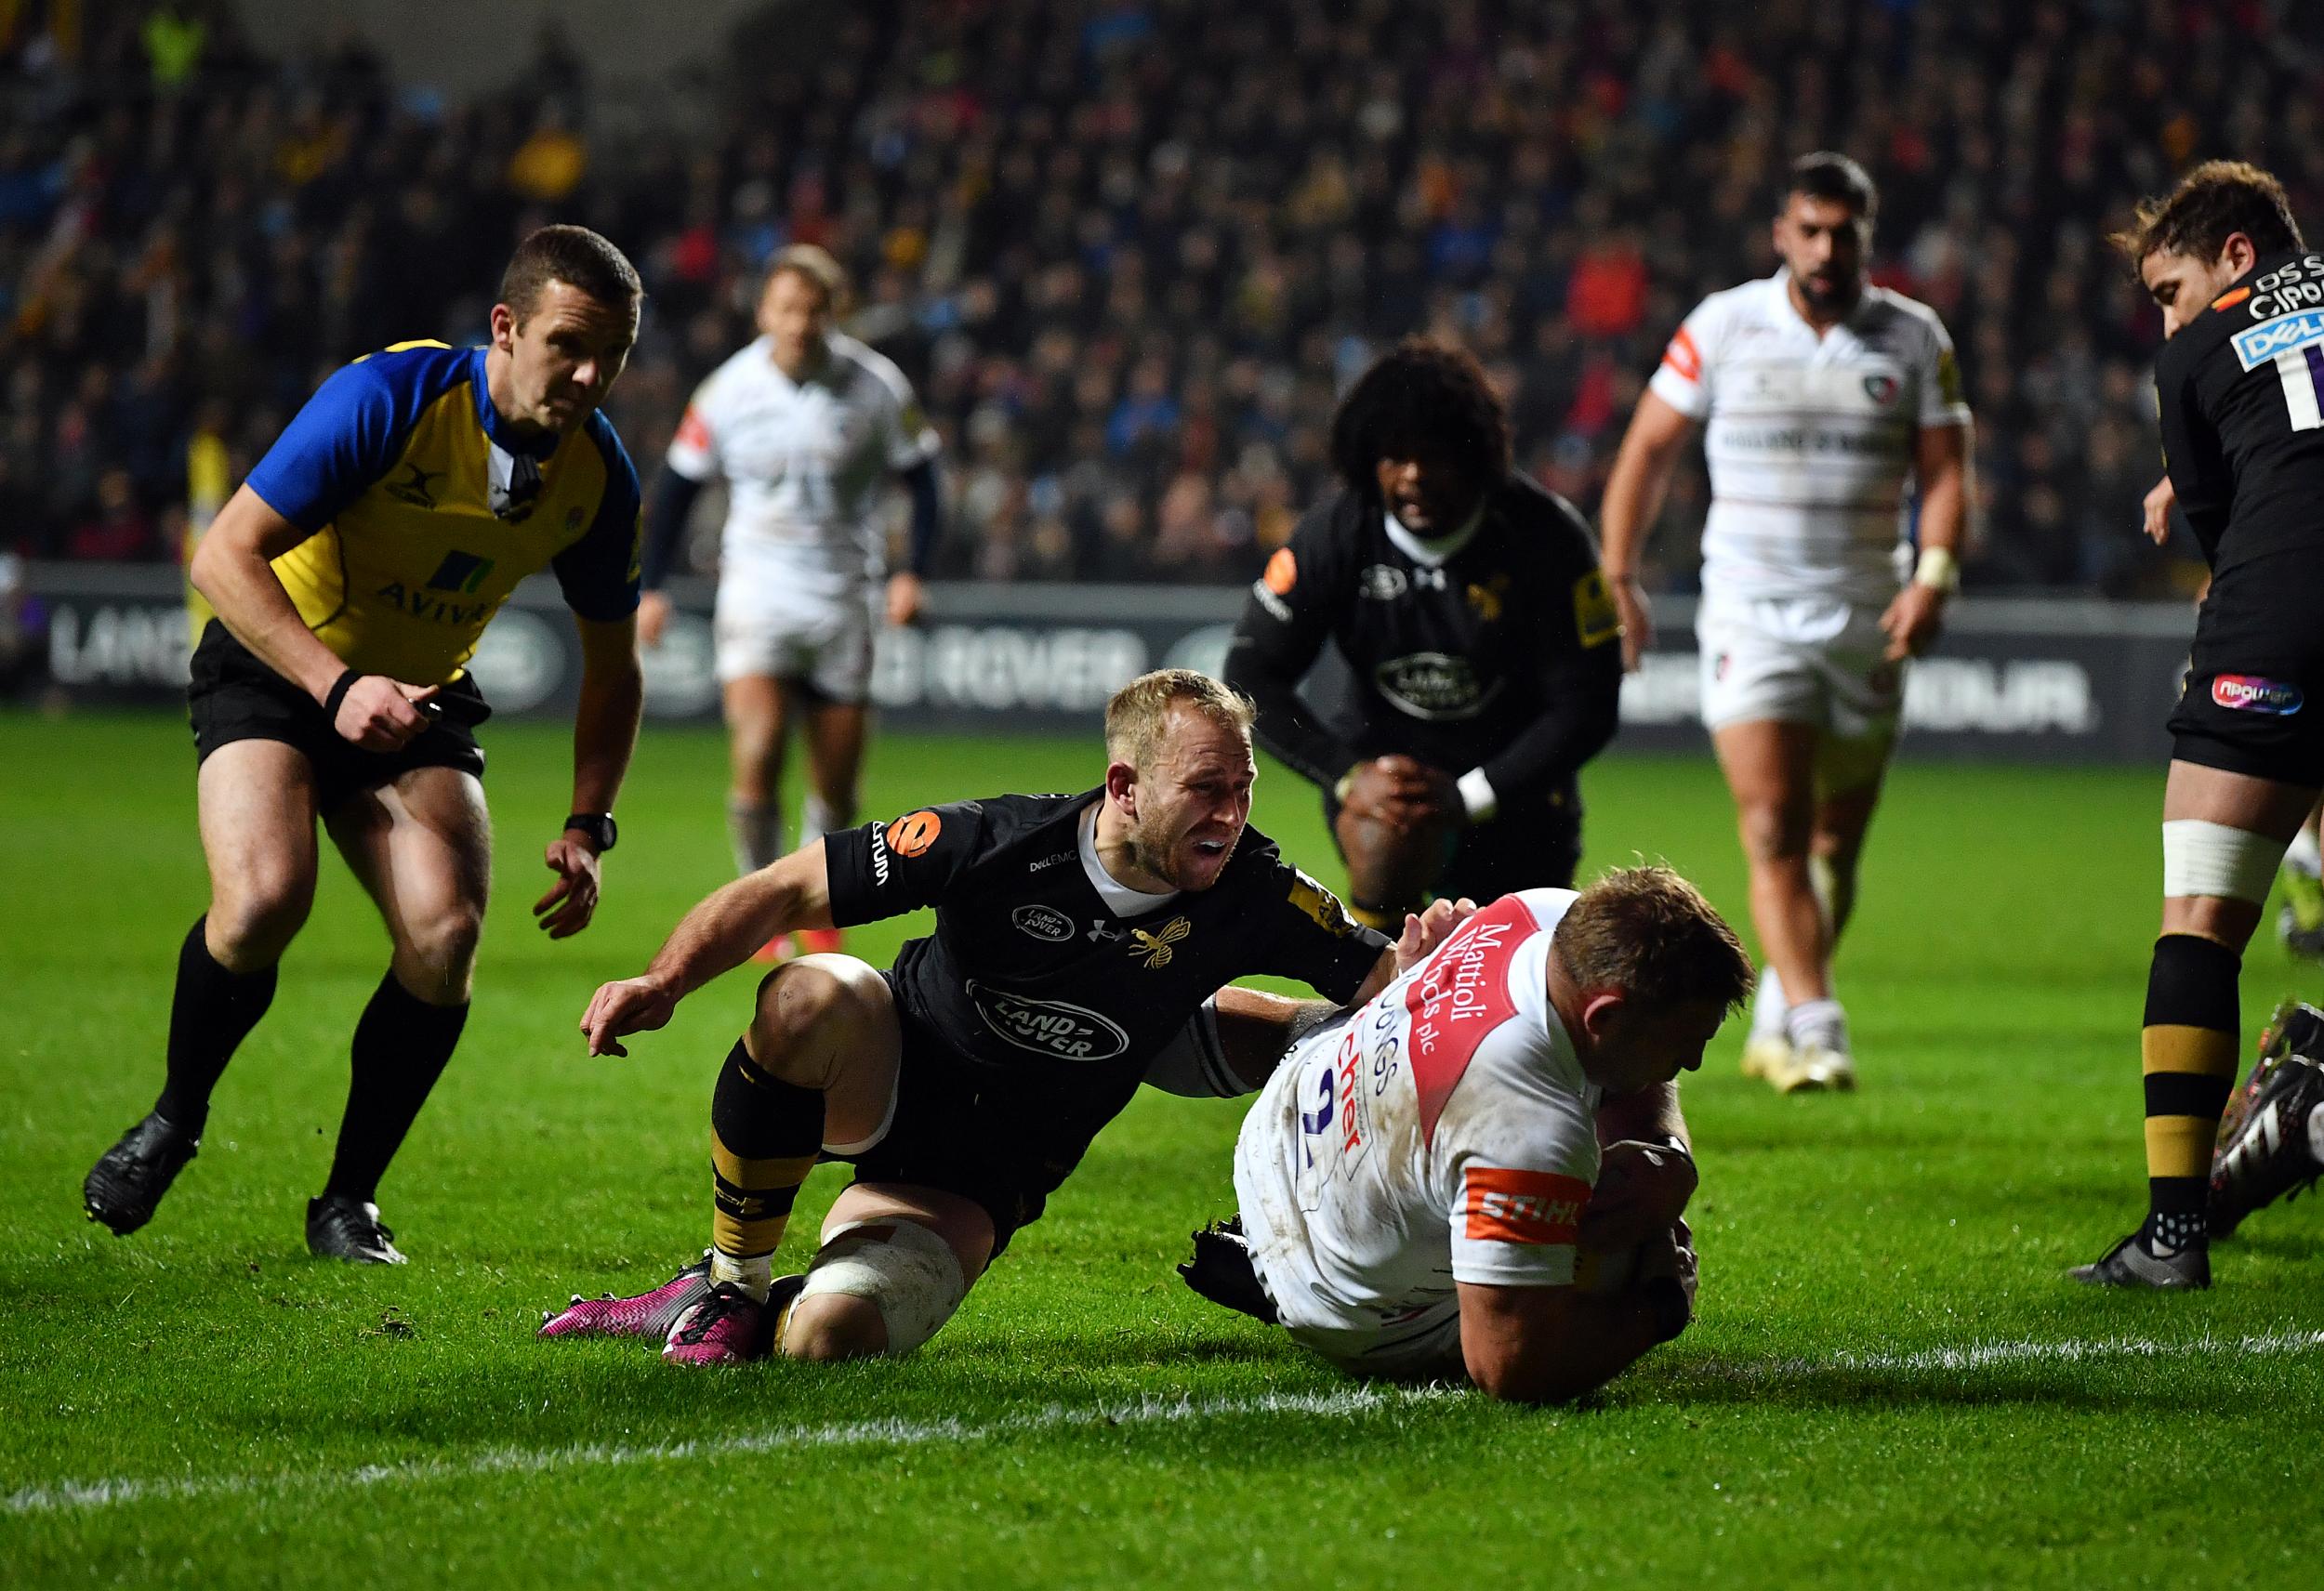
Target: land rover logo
[(1383, 583), (1044, 923), (1047, 1027), (1431, 685)]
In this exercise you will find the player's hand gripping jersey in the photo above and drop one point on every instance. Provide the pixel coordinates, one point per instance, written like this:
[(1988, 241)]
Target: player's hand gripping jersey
[(1444, 1132), (1499, 651), (805, 461), (1809, 440), (426, 511), (1049, 980)]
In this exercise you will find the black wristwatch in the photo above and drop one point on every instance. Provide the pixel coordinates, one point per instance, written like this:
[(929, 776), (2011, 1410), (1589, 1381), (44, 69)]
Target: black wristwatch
[(599, 826)]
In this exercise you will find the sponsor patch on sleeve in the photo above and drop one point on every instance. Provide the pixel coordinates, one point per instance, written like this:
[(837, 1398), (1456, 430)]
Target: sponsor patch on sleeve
[(1502, 1204), (1596, 620), (693, 433), (1321, 904), (1283, 572), (1948, 388), (914, 833), (1682, 357)]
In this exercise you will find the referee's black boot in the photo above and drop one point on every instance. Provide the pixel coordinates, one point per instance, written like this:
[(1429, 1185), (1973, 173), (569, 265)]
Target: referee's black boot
[(125, 1185), (341, 1227)]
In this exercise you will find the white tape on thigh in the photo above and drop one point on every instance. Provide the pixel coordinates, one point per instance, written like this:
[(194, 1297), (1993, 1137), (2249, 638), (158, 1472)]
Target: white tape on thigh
[(908, 1271), (2201, 857)]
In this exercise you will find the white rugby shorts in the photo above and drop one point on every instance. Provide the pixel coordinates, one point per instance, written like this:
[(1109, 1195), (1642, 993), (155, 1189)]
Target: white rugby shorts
[(1801, 661), (825, 643)]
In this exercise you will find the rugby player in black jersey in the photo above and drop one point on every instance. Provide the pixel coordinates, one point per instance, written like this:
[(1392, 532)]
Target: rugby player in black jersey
[(2240, 388), (1485, 648), (1078, 939)]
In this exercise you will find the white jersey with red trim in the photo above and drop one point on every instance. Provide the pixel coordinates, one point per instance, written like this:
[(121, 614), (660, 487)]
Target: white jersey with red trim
[(1810, 439), (805, 461), (1443, 1133)]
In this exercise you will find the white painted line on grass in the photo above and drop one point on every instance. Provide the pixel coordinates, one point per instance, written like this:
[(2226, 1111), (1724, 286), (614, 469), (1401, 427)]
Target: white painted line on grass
[(73, 1495), (91, 1494)]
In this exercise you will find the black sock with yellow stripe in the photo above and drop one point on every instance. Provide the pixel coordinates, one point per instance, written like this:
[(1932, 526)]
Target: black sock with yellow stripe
[(765, 1134), (2187, 1052)]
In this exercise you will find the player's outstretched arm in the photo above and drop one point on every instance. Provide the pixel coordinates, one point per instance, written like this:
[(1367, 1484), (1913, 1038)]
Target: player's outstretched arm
[(716, 937), (232, 568), (1551, 1345), (604, 735), (1635, 491)]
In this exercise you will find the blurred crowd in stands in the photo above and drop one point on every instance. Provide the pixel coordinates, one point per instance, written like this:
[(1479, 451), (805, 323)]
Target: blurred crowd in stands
[(1130, 249)]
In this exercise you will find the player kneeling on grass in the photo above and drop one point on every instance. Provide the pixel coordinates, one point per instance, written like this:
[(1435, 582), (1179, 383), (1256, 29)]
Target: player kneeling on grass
[(1076, 938), (1422, 1188)]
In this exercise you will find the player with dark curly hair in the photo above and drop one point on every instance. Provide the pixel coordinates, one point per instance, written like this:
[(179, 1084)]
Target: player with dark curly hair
[(1468, 604)]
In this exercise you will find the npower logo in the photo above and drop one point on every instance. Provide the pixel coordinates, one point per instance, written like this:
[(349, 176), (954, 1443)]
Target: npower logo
[(2251, 694)]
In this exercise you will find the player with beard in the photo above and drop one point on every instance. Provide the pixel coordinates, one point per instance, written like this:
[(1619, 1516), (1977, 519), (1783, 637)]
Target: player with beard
[(1468, 603), (1077, 938), (2239, 388), (1821, 398)]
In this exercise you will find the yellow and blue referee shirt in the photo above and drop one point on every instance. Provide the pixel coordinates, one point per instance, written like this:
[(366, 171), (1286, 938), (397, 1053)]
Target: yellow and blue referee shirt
[(424, 511)]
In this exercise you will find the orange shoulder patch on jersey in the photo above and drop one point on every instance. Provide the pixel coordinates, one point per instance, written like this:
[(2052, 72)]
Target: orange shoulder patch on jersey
[(1283, 572), (1503, 1204), (1596, 620), (2229, 300), (914, 833), (693, 433), (1683, 357)]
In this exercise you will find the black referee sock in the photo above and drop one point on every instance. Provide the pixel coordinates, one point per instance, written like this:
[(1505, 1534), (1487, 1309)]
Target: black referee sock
[(765, 1134), (401, 1045), (211, 1011)]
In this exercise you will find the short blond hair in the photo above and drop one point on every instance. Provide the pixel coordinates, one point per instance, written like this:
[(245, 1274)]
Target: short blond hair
[(1646, 933), (1139, 714), (817, 266)]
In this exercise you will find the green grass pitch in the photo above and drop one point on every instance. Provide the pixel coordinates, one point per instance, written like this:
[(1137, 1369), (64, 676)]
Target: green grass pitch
[(1888, 1385)]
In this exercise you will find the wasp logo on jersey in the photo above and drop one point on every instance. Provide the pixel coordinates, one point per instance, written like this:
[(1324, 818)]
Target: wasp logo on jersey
[(1156, 950)]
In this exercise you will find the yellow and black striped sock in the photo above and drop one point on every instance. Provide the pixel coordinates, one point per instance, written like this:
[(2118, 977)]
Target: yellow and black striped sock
[(2187, 1052), (765, 1134)]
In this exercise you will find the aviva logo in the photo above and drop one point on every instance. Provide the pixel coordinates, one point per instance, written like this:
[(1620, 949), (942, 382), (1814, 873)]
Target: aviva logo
[(460, 571)]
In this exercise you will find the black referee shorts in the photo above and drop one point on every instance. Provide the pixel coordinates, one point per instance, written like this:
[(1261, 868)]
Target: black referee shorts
[(2250, 705), (232, 696), (1006, 1149)]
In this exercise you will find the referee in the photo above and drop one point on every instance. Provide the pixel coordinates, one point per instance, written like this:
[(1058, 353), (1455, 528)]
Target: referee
[(2240, 385), (1469, 606)]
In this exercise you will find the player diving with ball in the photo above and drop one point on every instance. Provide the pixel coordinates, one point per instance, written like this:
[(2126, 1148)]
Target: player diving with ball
[(1483, 1172)]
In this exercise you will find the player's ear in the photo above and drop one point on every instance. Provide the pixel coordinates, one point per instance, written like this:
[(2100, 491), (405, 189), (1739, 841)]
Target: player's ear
[(2238, 254), (504, 323), (1599, 1011), (1121, 785)]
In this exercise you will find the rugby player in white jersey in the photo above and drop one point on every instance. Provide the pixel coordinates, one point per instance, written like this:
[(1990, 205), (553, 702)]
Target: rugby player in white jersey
[(807, 426), (1422, 1189), (1821, 398)]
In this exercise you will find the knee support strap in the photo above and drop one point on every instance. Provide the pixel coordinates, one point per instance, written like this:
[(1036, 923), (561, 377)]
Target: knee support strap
[(905, 1269), (2204, 858)]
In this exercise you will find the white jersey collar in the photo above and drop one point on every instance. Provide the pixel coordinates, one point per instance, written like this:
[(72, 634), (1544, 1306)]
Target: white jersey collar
[(1428, 552)]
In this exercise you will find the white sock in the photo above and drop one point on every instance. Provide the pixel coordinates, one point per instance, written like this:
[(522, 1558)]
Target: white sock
[(815, 820), (2304, 855), (753, 1276), (757, 833), (1768, 1006), (1817, 1023)]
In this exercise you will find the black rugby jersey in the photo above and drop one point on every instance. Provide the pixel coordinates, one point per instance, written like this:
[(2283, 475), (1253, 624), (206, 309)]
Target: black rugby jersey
[(1031, 976), (2241, 390), (1505, 656)]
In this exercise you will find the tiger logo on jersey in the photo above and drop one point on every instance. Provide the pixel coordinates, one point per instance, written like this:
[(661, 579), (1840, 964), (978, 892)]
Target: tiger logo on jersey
[(911, 835)]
